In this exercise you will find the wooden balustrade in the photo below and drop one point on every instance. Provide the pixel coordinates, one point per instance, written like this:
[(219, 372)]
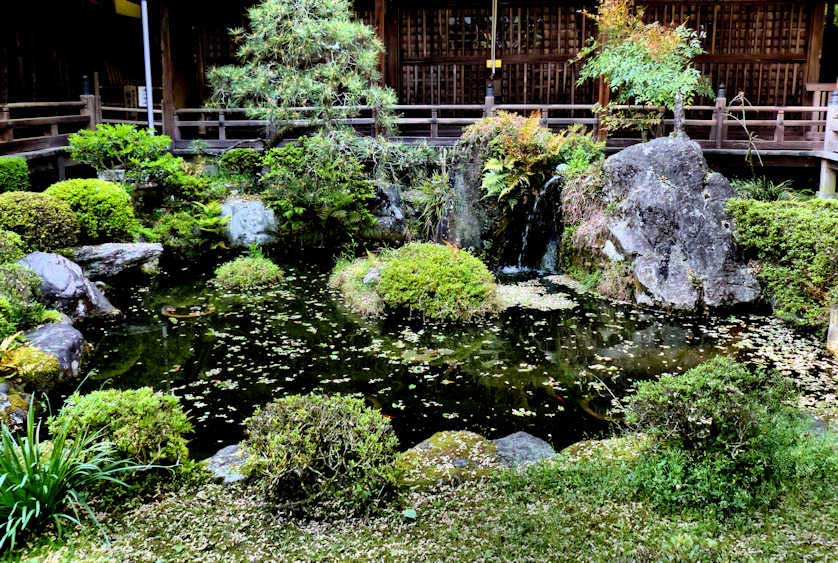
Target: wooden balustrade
[(43, 127)]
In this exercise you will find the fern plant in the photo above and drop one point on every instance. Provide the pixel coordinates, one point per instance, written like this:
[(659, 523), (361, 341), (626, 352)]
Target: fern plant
[(47, 481)]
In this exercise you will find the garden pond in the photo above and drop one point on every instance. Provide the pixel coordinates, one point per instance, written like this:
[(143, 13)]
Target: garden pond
[(557, 374)]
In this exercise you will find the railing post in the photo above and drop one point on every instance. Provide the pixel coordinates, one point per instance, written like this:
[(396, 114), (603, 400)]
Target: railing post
[(717, 131), (832, 334), (780, 128), (434, 123), (830, 145), (489, 101), (6, 133), (222, 127), (91, 111)]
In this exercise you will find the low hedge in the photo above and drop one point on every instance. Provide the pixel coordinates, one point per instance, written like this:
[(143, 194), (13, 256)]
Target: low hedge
[(42, 221), (104, 209), (14, 174)]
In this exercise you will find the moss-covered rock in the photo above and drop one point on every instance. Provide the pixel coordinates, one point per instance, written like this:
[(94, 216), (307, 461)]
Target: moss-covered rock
[(448, 457), (429, 281), (356, 281), (247, 272), (104, 209), (14, 406), (620, 449), (32, 368), (42, 221)]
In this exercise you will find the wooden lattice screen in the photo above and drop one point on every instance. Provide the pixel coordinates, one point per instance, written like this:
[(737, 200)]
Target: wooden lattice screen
[(754, 46)]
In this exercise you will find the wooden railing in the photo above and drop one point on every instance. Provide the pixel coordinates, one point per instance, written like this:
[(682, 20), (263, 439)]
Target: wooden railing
[(720, 127), (43, 126)]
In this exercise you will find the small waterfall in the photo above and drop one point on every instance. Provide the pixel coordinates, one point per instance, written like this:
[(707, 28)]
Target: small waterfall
[(542, 231)]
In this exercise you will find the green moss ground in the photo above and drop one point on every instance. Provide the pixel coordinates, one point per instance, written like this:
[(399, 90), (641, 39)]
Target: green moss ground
[(570, 509)]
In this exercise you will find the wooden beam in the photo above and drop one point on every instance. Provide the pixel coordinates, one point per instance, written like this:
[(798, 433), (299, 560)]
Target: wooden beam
[(814, 45), (168, 75), (387, 30)]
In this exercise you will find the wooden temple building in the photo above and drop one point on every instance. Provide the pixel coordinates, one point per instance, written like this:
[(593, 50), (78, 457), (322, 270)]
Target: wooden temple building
[(782, 54)]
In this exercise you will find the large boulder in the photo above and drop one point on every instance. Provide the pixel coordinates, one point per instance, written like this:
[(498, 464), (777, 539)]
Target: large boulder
[(226, 465), (64, 287), (669, 220), (251, 222), (62, 341), (108, 260), (520, 449)]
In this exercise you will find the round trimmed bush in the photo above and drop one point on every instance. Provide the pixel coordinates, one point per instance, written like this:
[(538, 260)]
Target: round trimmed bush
[(437, 282), (321, 455), (145, 426), (12, 248), (247, 272), (19, 308), (14, 174), (104, 209), (42, 221)]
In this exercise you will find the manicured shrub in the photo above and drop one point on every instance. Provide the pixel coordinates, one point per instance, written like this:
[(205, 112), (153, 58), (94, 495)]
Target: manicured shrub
[(43, 222), (795, 244), (243, 162), (321, 455), (12, 248), (247, 272), (49, 481), (118, 146), (34, 369), (436, 282), (19, 308), (14, 174), (144, 426), (322, 197), (724, 438), (103, 208)]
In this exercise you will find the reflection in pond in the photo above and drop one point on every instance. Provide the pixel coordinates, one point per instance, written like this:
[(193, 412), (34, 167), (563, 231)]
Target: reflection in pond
[(552, 373)]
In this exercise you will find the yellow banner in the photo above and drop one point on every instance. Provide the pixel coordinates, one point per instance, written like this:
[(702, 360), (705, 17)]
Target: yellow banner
[(127, 8)]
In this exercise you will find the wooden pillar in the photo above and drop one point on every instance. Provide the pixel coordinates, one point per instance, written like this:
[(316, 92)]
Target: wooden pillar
[(603, 97), (830, 146), (814, 45), (832, 334), (168, 72), (387, 29)]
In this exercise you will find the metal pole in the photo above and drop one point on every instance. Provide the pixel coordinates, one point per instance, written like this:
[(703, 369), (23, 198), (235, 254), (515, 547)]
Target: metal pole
[(149, 97)]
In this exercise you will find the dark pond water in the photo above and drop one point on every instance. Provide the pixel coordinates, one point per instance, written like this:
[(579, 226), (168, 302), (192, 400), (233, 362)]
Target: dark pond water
[(549, 373)]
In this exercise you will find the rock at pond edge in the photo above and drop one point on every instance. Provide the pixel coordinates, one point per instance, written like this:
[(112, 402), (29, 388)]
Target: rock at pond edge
[(226, 464), (111, 259), (522, 448)]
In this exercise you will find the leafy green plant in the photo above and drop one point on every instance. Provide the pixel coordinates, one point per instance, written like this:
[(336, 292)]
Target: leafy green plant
[(436, 282), (762, 188), (42, 481), (645, 64), (241, 161), (192, 231), (321, 197), (724, 438), (14, 174), (325, 456), (304, 54), (795, 244), (248, 272), (104, 209), (12, 248), (42, 222), (119, 146), (435, 200), (142, 425)]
